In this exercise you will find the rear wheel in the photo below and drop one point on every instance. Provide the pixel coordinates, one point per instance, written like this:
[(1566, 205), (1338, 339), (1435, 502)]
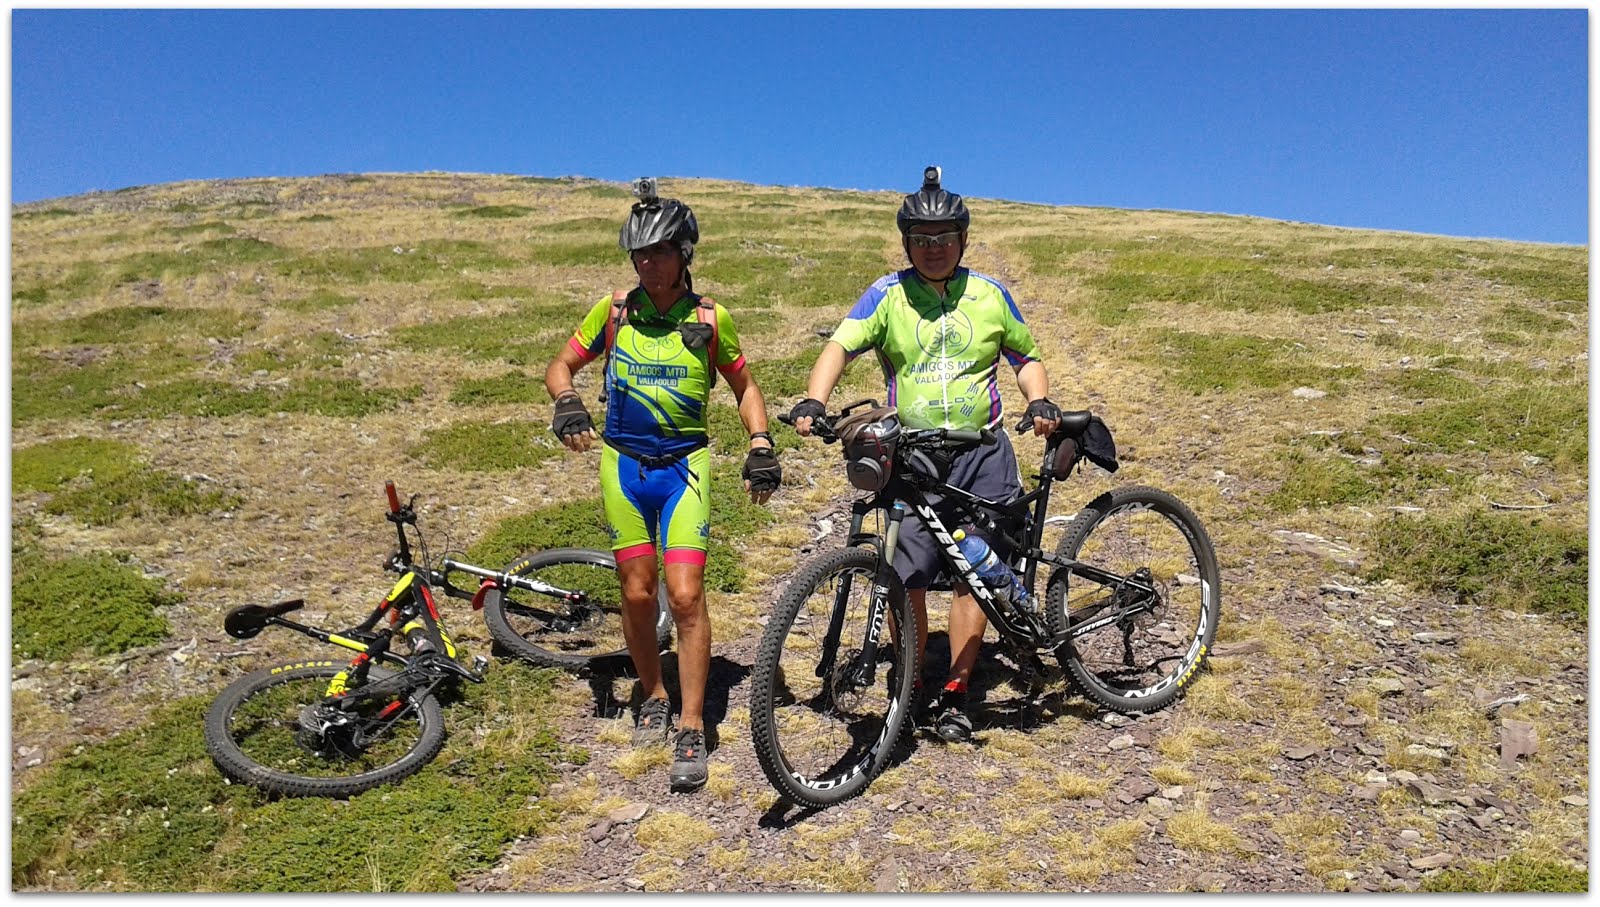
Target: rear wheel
[(1132, 651), (270, 729), (823, 729), (556, 633)]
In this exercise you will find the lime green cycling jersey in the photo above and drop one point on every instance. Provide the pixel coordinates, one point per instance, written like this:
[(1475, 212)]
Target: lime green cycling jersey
[(658, 388), (940, 356)]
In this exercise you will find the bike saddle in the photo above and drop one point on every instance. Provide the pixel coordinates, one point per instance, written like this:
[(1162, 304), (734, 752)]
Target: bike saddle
[(246, 621)]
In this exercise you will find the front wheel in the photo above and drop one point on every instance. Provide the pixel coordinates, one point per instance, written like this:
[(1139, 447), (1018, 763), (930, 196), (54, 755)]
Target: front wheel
[(824, 718), (570, 634), (272, 729), (1138, 636)]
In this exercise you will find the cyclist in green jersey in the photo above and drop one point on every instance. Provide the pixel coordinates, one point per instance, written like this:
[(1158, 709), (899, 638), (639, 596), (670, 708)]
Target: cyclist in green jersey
[(660, 343), (940, 332)]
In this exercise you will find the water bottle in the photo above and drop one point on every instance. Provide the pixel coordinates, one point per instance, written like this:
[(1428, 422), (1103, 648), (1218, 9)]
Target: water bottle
[(992, 570)]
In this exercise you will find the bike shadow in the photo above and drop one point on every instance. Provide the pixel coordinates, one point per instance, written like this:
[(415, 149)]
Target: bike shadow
[(997, 696)]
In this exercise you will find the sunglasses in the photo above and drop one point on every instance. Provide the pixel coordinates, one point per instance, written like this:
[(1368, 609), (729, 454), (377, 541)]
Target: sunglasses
[(923, 241)]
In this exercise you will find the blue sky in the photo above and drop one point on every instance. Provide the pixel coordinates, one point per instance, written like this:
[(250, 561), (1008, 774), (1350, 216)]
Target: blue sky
[(1459, 122)]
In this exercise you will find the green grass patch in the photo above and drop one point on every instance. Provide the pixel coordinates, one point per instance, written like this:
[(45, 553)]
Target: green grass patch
[(579, 253), (315, 219), (44, 214), (602, 191), (1519, 872), (432, 259), (210, 255), (474, 292), (494, 212), (82, 603), (1053, 251), (45, 388), (488, 446), (1549, 421), (1523, 318), (1234, 285), (210, 226), (149, 811), (1498, 560), (81, 279), (836, 281), (1545, 278), (136, 324), (319, 350), (318, 301), (345, 397), (1200, 363), (511, 387), (1320, 481), (1433, 383), (528, 337), (100, 482), (589, 227)]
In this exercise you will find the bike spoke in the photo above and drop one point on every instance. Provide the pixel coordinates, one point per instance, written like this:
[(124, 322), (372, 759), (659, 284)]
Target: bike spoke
[(827, 725), (267, 728), (591, 627), (1148, 548)]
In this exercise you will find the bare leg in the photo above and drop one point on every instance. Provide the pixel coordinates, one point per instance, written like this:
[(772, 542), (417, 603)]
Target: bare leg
[(639, 582), (967, 622), (686, 592)]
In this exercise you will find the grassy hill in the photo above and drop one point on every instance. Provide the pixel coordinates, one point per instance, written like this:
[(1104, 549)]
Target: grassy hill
[(212, 380)]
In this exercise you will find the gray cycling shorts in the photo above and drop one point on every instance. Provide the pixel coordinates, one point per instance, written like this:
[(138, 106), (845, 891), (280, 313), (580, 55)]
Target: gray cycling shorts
[(988, 471)]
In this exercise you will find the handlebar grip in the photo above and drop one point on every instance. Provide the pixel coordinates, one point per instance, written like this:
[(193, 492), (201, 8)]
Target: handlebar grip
[(784, 418), (394, 497), (982, 436)]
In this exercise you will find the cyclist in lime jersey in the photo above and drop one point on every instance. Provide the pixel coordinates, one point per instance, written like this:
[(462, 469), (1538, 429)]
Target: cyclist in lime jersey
[(658, 342), (940, 332)]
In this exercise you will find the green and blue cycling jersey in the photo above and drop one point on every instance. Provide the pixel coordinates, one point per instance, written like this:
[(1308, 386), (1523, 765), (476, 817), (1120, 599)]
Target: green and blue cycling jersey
[(657, 387), (940, 356), (657, 392)]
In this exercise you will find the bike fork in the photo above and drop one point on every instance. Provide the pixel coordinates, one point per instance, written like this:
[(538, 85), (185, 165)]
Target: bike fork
[(863, 671)]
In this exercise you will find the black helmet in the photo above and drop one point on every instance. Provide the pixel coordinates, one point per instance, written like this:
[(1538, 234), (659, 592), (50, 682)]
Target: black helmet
[(655, 219), (932, 205)]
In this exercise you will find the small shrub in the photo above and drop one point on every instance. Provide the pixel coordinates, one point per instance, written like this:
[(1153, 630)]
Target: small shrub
[(1501, 560), (87, 602), (1520, 872), (1320, 481)]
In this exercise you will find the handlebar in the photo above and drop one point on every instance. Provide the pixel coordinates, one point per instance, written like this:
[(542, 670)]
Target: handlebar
[(822, 427)]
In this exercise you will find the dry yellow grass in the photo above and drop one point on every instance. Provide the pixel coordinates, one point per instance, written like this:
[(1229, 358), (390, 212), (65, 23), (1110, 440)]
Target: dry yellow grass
[(673, 834), (1194, 829)]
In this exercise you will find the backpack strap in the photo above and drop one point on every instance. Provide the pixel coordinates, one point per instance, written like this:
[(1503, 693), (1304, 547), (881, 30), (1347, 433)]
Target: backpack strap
[(707, 313), (619, 317)]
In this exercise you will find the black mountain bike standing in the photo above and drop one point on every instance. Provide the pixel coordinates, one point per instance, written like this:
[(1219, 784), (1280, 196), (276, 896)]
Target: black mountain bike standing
[(1129, 609), (334, 729)]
